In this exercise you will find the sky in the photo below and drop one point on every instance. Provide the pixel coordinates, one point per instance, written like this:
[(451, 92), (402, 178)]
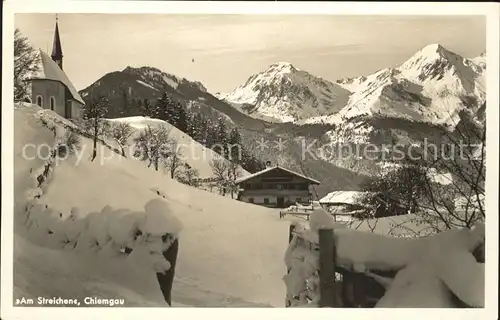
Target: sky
[(228, 49)]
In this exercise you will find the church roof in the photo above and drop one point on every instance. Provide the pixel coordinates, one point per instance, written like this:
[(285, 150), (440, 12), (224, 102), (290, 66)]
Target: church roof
[(253, 175), (49, 70)]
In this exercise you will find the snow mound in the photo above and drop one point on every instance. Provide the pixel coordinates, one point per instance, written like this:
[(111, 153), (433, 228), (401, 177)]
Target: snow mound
[(160, 219), (110, 231)]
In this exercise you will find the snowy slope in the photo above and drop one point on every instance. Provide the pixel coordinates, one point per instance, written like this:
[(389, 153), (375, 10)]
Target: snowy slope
[(192, 152), (40, 270), (230, 252), (430, 86), (285, 93)]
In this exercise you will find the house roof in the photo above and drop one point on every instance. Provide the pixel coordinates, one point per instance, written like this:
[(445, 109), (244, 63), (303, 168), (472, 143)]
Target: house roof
[(49, 70), (253, 175), (345, 197)]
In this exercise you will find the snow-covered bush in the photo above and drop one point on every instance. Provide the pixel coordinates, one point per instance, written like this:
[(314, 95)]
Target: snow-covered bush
[(138, 237), (68, 144)]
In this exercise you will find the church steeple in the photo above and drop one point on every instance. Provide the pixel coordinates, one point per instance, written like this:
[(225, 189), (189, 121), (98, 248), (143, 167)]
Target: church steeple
[(57, 54)]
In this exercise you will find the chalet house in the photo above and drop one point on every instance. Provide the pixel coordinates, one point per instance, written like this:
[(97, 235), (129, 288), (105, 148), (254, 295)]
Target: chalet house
[(276, 187), (51, 87)]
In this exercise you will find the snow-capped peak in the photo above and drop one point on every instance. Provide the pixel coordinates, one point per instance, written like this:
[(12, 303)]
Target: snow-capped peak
[(430, 86), (283, 67), (431, 61), (285, 93)]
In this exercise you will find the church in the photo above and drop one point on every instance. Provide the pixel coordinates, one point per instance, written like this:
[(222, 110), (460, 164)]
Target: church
[(51, 87)]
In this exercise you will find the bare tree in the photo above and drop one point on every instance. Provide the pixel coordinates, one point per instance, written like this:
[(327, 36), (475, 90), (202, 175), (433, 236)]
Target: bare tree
[(403, 186), (443, 184), (233, 173), (26, 62), (174, 160), (220, 169), (188, 175), (121, 132), (95, 124), (460, 201), (154, 144)]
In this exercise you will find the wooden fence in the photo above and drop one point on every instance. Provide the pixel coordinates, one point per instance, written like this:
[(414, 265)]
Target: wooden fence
[(340, 286)]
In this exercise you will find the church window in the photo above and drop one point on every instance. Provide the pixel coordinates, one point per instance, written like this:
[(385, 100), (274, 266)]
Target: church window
[(39, 101), (52, 103)]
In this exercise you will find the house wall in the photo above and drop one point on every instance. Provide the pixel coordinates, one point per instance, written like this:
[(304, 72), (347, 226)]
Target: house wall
[(275, 184), (76, 109), (46, 89), (289, 196)]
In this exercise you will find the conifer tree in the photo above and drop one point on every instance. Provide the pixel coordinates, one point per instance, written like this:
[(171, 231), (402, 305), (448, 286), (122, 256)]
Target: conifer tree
[(235, 148), (182, 121), (221, 138), (161, 107), (147, 109), (124, 107)]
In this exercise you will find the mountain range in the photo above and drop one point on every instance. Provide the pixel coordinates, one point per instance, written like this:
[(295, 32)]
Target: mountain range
[(428, 87), (394, 105)]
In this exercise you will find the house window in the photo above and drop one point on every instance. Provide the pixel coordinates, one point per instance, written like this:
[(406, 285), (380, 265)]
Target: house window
[(266, 200), (250, 200), (52, 103), (39, 101)]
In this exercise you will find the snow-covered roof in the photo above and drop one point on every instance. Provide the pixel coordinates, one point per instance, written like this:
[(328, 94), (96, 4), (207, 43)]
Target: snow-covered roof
[(253, 175), (50, 70), (347, 197)]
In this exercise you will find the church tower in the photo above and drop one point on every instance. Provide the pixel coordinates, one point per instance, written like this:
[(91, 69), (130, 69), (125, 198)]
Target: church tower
[(57, 54)]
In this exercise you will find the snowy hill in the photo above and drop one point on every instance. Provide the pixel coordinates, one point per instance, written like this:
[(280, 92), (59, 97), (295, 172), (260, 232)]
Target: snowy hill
[(192, 152), (221, 260), (284, 93)]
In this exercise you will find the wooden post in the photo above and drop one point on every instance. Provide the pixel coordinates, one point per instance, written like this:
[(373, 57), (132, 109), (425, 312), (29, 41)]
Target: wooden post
[(290, 232), (166, 279), (291, 228), (326, 268)]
